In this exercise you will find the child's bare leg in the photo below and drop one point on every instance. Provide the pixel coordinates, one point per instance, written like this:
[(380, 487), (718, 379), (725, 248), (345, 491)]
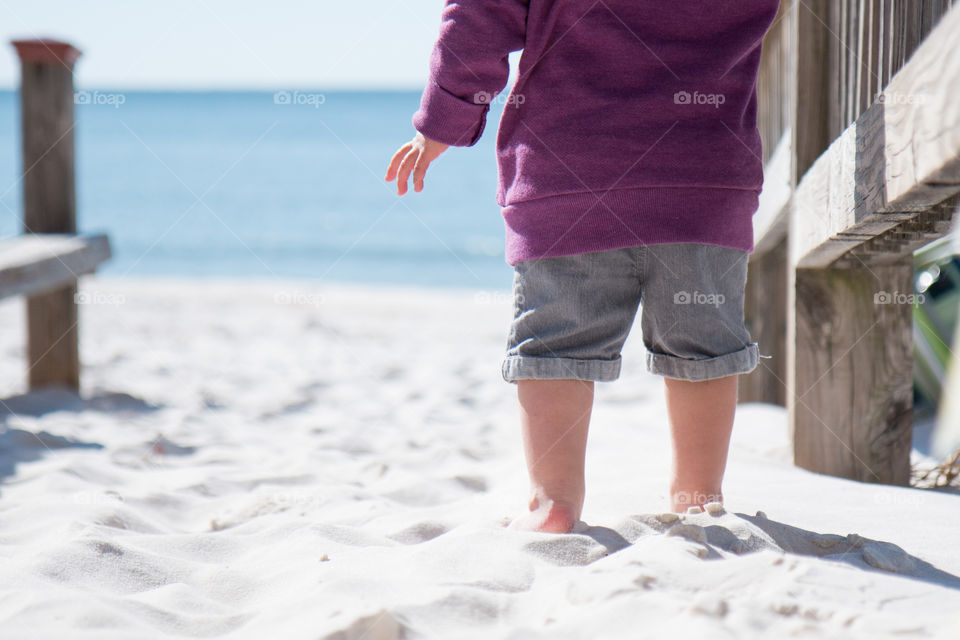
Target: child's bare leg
[(555, 416), (701, 419)]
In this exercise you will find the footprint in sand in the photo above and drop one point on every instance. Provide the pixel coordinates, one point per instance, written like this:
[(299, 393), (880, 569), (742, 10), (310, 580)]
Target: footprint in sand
[(419, 532)]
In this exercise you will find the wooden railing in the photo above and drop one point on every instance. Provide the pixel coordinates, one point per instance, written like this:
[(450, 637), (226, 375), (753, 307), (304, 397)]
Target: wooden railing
[(864, 169)]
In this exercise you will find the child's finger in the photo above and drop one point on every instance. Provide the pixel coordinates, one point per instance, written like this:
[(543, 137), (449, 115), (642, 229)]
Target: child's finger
[(405, 168), (419, 172), (395, 161)]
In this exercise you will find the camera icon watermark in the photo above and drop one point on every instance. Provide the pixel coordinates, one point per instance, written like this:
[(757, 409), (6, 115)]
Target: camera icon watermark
[(697, 98), (99, 98), (299, 98)]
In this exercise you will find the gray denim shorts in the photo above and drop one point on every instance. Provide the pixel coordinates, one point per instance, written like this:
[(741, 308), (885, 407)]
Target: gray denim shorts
[(572, 314)]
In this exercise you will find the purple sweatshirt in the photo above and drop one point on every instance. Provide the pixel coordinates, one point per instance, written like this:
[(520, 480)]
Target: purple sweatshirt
[(631, 122)]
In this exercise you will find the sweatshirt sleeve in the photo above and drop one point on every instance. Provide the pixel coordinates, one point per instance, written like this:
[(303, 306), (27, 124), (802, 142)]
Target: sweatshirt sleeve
[(469, 66)]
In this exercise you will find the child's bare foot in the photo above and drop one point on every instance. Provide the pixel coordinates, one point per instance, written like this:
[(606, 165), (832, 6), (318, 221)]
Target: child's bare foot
[(701, 419), (546, 516), (555, 417)]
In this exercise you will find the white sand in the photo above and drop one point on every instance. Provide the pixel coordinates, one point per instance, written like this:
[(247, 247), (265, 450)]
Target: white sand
[(273, 460)]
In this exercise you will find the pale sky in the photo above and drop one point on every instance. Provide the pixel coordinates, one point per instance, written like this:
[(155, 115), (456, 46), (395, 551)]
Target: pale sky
[(222, 44)]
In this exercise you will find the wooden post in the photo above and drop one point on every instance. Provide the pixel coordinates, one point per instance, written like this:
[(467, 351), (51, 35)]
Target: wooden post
[(765, 300), (852, 404), (49, 202)]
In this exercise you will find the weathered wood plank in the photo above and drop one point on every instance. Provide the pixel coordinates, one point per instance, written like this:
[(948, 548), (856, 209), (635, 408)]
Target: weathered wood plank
[(765, 295), (813, 43), (773, 82), (53, 353), (770, 219), (922, 122), (765, 299), (765, 312), (39, 263)]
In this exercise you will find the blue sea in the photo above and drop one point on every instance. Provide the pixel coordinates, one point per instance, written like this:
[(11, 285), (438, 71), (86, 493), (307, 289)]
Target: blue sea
[(263, 185)]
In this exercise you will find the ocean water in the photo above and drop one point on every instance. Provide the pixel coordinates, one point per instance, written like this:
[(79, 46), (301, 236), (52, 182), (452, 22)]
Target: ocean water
[(253, 185)]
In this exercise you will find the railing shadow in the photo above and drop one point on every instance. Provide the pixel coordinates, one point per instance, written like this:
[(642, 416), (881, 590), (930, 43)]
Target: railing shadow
[(854, 550), (755, 533), (21, 445)]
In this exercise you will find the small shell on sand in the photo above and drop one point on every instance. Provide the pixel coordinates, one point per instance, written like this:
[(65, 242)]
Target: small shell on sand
[(714, 508), (668, 517), (694, 509), (888, 556)]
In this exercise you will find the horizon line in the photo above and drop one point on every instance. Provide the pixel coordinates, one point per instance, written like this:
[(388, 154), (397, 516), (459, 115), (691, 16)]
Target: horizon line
[(238, 89)]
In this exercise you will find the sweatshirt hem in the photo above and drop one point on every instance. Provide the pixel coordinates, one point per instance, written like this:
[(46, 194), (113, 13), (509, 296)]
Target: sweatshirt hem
[(585, 222)]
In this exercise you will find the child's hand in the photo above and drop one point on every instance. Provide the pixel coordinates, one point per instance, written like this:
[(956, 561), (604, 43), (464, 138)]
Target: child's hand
[(414, 156)]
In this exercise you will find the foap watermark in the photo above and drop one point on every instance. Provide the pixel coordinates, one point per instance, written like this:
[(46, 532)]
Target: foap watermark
[(698, 297), (496, 297), (696, 497), (93, 497), (299, 98), (899, 498), (303, 298), (900, 98), (98, 297), (508, 99), (697, 98), (99, 97), (895, 297)]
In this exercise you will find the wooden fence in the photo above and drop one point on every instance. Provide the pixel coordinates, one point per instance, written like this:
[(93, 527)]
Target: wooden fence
[(860, 117)]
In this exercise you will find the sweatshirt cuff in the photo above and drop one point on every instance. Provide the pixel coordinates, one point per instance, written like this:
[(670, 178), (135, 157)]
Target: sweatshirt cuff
[(448, 119)]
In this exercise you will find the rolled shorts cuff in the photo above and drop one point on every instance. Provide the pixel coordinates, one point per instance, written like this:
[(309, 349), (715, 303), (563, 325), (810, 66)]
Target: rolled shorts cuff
[(742, 361), (554, 368)]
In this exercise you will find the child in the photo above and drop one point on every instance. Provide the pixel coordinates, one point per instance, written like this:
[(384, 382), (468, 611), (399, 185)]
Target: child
[(629, 165)]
